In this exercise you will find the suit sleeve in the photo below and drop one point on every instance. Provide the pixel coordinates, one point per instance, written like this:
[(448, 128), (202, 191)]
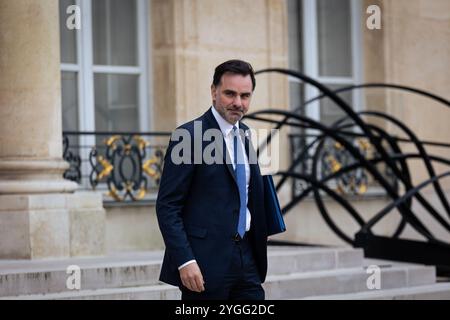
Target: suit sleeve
[(173, 191)]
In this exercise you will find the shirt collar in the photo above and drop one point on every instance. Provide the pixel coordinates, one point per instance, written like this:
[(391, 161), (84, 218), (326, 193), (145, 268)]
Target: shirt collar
[(224, 125)]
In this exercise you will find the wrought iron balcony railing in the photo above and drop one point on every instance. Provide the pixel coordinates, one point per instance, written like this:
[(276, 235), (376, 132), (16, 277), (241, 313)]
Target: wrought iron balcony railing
[(331, 158), (127, 165)]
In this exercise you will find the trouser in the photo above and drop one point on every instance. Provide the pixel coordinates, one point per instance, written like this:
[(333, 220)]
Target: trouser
[(241, 282)]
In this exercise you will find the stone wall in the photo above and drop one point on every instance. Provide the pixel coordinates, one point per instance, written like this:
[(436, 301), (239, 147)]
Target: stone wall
[(191, 37)]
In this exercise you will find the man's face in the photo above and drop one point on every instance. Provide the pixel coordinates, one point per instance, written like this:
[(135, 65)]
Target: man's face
[(231, 97)]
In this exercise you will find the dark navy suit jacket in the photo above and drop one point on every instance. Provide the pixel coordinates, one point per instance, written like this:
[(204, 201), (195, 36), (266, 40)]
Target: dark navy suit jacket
[(198, 209)]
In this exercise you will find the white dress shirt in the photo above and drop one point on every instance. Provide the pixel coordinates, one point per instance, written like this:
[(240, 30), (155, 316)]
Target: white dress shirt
[(227, 131)]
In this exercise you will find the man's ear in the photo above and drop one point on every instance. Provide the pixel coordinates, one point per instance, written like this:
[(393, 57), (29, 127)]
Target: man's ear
[(213, 93)]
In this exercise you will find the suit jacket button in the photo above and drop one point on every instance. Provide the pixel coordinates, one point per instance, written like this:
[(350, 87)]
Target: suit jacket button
[(236, 211)]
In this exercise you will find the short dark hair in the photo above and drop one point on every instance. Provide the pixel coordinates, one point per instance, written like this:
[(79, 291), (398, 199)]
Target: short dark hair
[(234, 66)]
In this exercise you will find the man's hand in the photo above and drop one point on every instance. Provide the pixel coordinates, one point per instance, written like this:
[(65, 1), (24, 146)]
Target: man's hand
[(192, 277)]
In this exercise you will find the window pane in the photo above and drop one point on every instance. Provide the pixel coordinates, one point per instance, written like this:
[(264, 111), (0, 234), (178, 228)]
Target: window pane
[(294, 34), (334, 32), (67, 36), (69, 92), (329, 111), (116, 106), (296, 94), (114, 24), (295, 51)]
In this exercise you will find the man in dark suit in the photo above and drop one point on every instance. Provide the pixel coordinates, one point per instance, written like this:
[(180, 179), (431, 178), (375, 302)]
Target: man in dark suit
[(211, 214)]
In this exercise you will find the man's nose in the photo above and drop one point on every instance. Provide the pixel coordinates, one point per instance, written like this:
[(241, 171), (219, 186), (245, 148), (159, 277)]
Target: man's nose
[(238, 101)]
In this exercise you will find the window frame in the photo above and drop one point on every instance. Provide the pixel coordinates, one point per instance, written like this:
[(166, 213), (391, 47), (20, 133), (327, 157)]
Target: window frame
[(311, 57), (85, 69), (311, 62), (308, 16)]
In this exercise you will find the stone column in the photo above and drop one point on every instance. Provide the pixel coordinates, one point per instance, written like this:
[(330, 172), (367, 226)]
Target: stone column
[(38, 214)]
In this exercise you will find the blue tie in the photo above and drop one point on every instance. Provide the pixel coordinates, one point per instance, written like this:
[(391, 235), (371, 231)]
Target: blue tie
[(241, 181)]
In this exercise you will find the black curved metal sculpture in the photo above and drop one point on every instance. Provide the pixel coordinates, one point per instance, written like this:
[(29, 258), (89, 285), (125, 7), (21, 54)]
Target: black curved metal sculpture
[(349, 166)]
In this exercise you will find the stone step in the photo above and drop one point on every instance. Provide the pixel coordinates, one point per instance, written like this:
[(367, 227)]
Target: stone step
[(282, 260), (284, 286), (155, 292), (41, 277), (298, 285), (437, 291), (19, 277)]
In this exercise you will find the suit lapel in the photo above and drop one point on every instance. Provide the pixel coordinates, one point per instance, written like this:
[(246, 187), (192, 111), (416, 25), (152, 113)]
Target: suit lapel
[(227, 159), (221, 147)]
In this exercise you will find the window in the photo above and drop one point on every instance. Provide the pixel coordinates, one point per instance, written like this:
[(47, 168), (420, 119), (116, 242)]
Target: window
[(104, 66), (324, 43), (104, 70)]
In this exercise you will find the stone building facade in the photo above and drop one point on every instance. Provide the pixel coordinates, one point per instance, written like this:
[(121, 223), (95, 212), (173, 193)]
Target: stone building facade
[(156, 58)]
